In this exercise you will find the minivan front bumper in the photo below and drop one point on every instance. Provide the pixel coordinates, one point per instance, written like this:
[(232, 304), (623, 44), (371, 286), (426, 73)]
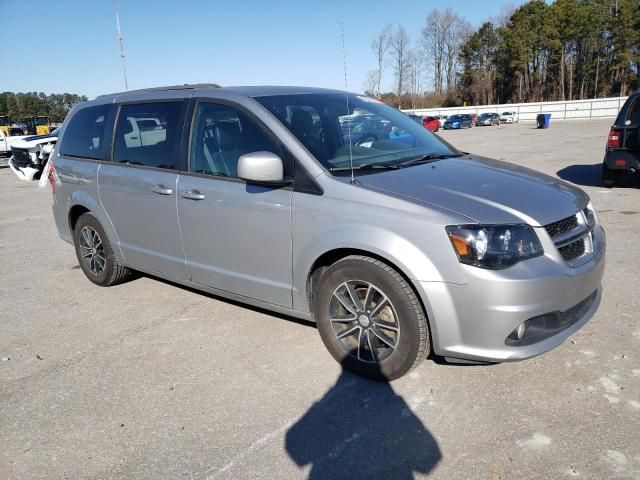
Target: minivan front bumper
[(473, 321)]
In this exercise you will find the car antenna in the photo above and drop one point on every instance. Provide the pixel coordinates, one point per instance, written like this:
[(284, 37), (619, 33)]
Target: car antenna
[(120, 41), (346, 94)]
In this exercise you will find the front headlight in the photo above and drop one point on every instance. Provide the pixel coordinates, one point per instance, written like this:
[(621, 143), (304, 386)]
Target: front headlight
[(494, 246)]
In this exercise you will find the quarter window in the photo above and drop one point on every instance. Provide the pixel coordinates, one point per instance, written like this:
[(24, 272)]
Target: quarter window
[(220, 135), (84, 136), (148, 134)]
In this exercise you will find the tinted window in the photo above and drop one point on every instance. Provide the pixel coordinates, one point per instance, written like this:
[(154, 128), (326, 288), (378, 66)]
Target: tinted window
[(220, 135), (148, 134), (84, 136), (634, 112)]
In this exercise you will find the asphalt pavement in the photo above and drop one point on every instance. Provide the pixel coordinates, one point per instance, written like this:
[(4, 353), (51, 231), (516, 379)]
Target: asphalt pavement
[(152, 380)]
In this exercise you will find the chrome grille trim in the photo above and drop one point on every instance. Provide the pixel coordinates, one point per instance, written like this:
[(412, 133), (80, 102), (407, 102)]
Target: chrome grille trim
[(572, 236)]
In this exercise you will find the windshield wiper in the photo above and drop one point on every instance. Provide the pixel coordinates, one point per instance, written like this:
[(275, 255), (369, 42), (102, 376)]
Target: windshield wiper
[(368, 166), (430, 157)]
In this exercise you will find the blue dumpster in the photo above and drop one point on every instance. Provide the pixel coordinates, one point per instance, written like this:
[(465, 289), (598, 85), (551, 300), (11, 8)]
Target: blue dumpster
[(543, 120)]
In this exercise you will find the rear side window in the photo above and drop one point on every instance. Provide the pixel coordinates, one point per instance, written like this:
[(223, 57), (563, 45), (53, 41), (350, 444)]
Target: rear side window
[(633, 116), (84, 136), (148, 134)]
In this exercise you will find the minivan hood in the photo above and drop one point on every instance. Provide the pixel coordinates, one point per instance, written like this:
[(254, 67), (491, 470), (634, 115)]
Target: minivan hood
[(485, 190)]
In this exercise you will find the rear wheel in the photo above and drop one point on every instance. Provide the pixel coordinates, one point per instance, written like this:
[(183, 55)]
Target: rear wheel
[(370, 318), (95, 254), (610, 177)]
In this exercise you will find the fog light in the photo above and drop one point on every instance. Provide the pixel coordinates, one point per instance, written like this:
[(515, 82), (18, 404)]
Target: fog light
[(520, 330)]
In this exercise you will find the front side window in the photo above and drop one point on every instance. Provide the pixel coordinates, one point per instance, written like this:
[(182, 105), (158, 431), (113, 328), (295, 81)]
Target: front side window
[(148, 134), (337, 127), (220, 135), (84, 136)]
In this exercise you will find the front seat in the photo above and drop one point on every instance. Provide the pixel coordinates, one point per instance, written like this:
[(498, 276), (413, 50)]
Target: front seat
[(302, 126), (230, 146)]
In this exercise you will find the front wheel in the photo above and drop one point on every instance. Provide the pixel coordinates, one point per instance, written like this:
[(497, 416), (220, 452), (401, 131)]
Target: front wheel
[(370, 319)]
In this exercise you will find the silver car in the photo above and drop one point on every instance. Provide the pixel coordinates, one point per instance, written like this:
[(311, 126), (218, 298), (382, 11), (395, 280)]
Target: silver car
[(394, 242)]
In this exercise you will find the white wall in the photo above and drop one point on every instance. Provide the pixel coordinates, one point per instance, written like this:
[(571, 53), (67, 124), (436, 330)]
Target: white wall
[(595, 108)]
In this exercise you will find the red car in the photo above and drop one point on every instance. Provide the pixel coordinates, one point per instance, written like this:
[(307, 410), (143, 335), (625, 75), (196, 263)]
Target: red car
[(431, 123)]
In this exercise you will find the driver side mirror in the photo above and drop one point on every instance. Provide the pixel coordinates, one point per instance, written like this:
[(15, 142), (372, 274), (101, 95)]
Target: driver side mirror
[(261, 167)]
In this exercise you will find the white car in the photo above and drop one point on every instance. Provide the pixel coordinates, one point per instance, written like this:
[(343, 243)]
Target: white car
[(5, 148), (442, 119), (30, 154), (509, 117), (7, 141)]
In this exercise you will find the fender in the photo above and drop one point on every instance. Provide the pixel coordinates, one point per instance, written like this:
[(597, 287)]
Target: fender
[(390, 246), (82, 198)]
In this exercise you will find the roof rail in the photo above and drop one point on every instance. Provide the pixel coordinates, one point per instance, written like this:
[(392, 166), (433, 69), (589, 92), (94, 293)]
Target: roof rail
[(185, 86)]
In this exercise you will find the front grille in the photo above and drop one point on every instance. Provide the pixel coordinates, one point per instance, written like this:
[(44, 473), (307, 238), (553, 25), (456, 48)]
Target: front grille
[(573, 250), (563, 226), (21, 157), (572, 235)]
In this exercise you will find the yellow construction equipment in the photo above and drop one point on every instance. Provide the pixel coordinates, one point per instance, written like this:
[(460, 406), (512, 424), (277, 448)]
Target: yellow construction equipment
[(38, 125), (5, 123)]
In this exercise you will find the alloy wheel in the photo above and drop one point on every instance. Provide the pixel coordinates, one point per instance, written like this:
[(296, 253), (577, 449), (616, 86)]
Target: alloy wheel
[(92, 250), (364, 321)]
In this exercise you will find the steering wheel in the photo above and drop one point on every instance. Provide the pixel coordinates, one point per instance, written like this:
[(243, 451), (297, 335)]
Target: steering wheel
[(367, 137)]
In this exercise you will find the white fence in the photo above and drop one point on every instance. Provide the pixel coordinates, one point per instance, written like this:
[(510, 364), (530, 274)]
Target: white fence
[(569, 110)]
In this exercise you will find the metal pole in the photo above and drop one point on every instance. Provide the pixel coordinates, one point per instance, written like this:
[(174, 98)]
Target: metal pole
[(120, 40)]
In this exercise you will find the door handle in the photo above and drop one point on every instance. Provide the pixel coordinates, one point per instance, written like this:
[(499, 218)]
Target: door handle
[(193, 195), (162, 190)]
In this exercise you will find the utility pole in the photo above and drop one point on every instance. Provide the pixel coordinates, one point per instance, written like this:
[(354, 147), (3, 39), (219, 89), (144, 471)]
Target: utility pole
[(120, 41)]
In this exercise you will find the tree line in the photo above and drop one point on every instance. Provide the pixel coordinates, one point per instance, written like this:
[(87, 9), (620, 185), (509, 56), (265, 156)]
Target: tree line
[(20, 106), (563, 50)]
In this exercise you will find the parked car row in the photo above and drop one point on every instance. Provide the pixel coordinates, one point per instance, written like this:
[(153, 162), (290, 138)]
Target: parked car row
[(464, 120)]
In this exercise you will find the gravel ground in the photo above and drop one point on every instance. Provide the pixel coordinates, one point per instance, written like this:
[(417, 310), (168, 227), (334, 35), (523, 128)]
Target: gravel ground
[(151, 380)]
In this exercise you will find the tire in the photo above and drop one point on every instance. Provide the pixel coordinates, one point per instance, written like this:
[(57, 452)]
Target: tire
[(95, 254), (373, 349), (609, 176)]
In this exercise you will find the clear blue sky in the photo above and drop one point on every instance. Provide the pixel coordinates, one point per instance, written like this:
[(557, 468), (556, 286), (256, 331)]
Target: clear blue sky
[(70, 45)]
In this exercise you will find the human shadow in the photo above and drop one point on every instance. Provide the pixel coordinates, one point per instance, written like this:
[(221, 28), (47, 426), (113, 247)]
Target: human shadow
[(361, 429), (591, 176)]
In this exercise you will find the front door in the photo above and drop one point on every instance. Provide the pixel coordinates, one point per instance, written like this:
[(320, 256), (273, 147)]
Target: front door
[(236, 236), (138, 189)]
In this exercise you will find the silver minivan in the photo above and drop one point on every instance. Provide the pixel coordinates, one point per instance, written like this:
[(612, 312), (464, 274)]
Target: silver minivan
[(334, 207)]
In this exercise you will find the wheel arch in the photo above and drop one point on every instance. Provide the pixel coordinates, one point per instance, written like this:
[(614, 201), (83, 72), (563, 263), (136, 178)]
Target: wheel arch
[(80, 203), (328, 258)]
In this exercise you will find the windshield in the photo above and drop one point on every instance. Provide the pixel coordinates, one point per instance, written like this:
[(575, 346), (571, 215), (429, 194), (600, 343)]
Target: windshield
[(41, 120), (372, 131), (506, 113), (455, 117), (4, 121)]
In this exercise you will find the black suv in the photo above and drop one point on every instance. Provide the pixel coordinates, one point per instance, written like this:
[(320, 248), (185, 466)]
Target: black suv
[(623, 146)]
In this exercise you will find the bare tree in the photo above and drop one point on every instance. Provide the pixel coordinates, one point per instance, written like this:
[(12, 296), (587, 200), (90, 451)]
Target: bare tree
[(442, 38), (434, 47), (416, 72), (400, 54), (371, 83), (380, 47), (457, 34)]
